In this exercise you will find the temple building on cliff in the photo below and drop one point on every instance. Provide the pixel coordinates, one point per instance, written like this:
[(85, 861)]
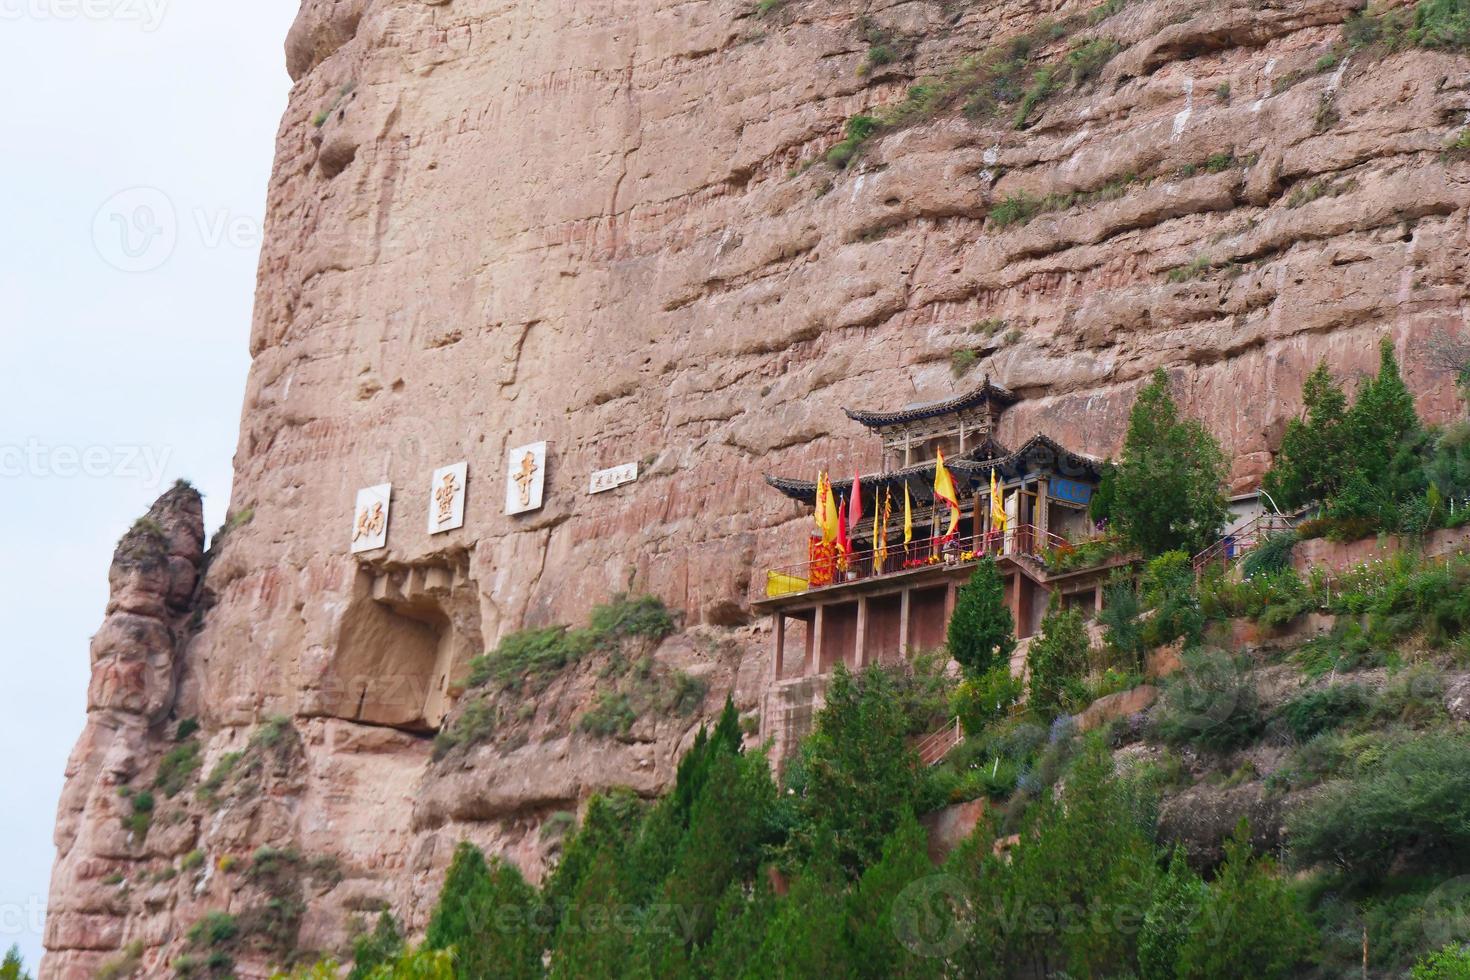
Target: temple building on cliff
[(891, 590)]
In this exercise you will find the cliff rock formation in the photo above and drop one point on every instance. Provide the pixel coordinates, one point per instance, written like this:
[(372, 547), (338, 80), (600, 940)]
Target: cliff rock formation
[(612, 226)]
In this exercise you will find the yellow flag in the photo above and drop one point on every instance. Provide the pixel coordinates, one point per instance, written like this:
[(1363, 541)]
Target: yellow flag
[(826, 512), (997, 505), (908, 517), (880, 533), (944, 491)]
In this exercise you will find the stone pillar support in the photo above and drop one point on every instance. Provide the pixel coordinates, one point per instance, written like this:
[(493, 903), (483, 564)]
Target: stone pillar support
[(860, 647), (903, 625), (814, 659), (778, 662)]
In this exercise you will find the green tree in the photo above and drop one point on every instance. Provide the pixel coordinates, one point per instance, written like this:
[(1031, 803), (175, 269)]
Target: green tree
[(861, 775), (1251, 923), (1168, 588), (608, 828), (1074, 884), (486, 915), (1168, 488), (740, 931), (1058, 661), (1381, 422), (873, 933), (1312, 462), (594, 939), (383, 945), (12, 967), (982, 634), (1123, 631), (981, 701), (805, 936), (1450, 963), (732, 822), (1170, 919)]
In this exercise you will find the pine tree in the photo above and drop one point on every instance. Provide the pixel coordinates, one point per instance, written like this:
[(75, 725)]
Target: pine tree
[(1168, 488), (741, 922), (486, 914), (861, 775), (1311, 464), (1382, 419), (1250, 924), (1170, 919), (383, 945), (1057, 660), (593, 941), (982, 634), (13, 967), (872, 931)]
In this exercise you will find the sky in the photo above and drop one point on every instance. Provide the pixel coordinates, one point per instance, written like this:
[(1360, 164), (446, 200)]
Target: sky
[(137, 145)]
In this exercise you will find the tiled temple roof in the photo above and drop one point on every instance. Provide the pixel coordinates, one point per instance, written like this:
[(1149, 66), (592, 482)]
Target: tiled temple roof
[(1039, 453), (974, 398)]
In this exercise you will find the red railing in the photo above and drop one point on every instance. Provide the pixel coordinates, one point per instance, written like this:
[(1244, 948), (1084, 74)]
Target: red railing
[(796, 578), (934, 748), (1240, 542)]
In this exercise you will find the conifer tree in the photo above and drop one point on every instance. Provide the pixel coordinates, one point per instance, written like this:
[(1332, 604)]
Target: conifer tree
[(1170, 919), (1057, 660), (1312, 462), (1168, 488), (486, 916), (872, 932), (982, 634)]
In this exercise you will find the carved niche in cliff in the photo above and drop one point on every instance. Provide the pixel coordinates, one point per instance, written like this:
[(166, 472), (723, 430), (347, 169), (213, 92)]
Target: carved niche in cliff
[(404, 646)]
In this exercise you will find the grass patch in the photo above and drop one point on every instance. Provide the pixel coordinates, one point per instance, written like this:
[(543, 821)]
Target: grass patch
[(613, 715), (1005, 78), (1194, 270), (178, 767), (961, 361), (1018, 209), (473, 726)]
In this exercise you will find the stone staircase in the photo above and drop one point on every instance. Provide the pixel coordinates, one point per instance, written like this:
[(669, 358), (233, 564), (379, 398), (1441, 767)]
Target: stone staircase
[(934, 748)]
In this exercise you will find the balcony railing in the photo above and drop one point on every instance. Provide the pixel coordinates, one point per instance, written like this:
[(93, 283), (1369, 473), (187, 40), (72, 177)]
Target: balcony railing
[(1241, 541), (805, 576)]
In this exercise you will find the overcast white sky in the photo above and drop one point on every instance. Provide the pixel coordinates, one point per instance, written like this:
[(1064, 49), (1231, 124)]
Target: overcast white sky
[(122, 359)]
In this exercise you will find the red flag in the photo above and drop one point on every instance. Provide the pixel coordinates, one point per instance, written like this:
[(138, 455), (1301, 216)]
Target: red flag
[(844, 545), (855, 512)]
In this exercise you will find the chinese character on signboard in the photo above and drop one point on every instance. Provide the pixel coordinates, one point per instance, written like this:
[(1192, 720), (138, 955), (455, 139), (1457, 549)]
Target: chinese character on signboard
[(611, 479), (446, 498), (526, 482), (370, 519)]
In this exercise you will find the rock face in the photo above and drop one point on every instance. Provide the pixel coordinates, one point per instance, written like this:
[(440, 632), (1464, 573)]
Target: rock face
[(495, 222)]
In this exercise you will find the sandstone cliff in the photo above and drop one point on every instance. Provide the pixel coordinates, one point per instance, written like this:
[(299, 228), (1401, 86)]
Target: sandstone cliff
[(611, 226)]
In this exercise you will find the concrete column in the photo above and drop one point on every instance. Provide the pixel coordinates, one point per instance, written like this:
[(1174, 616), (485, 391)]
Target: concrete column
[(1013, 592), (903, 626), (951, 595), (1043, 512), (860, 651), (814, 658), (1097, 597), (778, 662)]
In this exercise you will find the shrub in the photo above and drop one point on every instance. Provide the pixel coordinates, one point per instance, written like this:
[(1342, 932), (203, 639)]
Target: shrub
[(473, 726), (383, 945), (186, 728), (961, 361), (216, 929), (625, 616), (611, 715), (981, 631), (1193, 270), (177, 767), (529, 659), (1168, 589), (859, 129), (1410, 801), (1323, 710), (980, 701), (194, 859), (141, 818), (1271, 555), (1450, 963), (1015, 209), (1058, 659), (1211, 703), (126, 963)]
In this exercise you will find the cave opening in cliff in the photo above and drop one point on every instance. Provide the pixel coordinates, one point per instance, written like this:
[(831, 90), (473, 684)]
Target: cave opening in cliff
[(403, 648)]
